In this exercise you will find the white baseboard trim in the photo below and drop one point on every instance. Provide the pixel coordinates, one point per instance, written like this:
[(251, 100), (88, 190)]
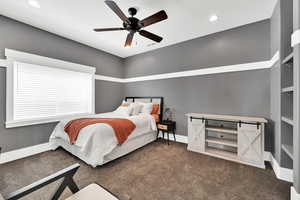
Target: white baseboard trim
[(294, 194), (281, 172), (184, 139), (23, 153), (179, 138), (267, 156)]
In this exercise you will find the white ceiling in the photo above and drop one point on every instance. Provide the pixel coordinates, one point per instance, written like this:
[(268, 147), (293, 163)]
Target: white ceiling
[(188, 19)]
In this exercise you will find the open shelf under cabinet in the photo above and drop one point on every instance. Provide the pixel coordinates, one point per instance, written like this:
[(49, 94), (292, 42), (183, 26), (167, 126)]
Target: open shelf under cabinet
[(221, 130), (222, 141)]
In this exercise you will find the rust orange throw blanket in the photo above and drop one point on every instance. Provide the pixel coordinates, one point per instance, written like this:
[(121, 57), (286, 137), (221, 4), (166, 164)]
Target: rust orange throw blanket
[(122, 127)]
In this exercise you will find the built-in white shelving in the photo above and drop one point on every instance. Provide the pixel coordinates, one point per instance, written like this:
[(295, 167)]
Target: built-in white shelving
[(288, 59), (287, 120), (288, 149), (287, 89)]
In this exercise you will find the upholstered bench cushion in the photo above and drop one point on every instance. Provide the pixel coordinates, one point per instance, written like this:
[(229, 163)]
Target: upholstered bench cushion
[(92, 191)]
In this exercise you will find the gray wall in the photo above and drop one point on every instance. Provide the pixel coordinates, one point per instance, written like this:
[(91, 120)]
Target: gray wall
[(19, 36), (245, 44), (239, 93)]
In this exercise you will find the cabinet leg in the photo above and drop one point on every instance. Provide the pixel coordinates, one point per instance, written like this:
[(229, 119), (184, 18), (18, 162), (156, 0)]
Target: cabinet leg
[(157, 134)]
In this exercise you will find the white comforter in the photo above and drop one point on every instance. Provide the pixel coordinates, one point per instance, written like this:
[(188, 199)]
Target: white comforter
[(97, 140)]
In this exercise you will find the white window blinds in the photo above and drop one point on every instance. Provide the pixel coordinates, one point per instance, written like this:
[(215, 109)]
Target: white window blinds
[(45, 92)]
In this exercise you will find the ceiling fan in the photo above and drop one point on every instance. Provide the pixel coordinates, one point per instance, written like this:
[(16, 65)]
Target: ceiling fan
[(133, 25)]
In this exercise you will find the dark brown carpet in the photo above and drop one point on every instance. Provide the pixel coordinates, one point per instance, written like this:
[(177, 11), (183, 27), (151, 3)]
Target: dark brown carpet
[(155, 172)]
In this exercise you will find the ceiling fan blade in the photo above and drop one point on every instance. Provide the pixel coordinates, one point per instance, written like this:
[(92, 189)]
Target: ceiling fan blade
[(129, 39), (158, 17), (108, 29), (151, 36), (117, 10)]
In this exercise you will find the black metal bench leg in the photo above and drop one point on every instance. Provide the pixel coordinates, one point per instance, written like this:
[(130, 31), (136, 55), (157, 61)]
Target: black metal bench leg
[(66, 177), (67, 182)]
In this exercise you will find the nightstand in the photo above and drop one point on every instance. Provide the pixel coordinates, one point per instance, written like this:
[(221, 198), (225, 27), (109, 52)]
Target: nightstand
[(166, 127)]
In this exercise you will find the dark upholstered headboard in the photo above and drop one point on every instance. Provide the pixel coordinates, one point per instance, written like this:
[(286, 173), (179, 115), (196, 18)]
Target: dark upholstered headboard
[(155, 100)]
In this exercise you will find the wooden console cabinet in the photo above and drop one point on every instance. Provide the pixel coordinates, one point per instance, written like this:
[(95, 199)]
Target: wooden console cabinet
[(235, 138)]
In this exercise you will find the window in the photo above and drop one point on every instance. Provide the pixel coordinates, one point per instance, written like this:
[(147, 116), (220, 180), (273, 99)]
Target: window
[(43, 94)]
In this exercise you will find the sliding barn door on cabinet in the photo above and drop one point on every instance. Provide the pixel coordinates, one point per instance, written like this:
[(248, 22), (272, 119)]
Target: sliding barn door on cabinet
[(250, 143), (196, 136)]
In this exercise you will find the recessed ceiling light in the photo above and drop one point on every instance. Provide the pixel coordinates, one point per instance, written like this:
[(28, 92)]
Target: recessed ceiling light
[(213, 18), (34, 3)]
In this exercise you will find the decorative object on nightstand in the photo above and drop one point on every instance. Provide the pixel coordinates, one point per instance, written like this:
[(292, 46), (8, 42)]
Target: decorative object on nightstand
[(168, 114), (166, 127)]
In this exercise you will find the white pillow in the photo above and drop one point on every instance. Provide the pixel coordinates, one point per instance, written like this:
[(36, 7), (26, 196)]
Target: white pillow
[(124, 111), (137, 108), (125, 103), (147, 108)]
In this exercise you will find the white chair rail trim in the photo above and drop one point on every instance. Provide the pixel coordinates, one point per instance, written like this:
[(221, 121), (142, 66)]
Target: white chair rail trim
[(295, 38), (13, 55), (3, 63), (203, 71), (109, 78)]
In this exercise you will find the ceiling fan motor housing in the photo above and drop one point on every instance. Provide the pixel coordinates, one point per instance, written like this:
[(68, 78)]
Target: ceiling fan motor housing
[(134, 25)]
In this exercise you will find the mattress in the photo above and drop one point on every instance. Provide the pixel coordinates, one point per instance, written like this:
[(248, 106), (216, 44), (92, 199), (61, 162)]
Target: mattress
[(96, 143)]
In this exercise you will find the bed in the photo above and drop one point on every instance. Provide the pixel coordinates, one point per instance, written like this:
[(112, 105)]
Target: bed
[(97, 145)]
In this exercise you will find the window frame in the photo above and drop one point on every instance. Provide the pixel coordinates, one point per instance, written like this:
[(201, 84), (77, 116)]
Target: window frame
[(13, 56)]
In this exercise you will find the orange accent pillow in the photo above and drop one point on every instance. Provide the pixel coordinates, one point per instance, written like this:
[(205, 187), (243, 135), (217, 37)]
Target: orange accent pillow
[(156, 117), (155, 109)]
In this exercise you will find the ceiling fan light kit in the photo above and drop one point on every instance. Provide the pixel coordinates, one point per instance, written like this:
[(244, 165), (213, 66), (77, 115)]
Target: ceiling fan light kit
[(134, 25)]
